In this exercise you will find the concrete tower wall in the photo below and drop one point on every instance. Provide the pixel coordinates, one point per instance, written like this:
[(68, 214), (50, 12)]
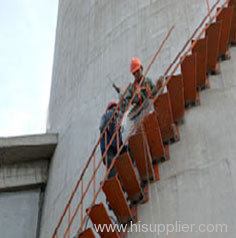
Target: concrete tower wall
[(197, 184), (95, 41)]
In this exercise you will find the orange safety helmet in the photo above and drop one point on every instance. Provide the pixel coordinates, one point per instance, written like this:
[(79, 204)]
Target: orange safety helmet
[(135, 64), (112, 104)]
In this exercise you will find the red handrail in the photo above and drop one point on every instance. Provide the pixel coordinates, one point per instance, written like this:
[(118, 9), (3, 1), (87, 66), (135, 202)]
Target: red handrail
[(112, 139), (208, 7)]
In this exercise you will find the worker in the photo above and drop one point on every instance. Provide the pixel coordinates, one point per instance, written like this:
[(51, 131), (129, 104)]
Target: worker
[(112, 151), (143, 91)]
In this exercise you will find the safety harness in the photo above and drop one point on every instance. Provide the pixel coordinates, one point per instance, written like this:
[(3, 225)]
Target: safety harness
[(139, 89)]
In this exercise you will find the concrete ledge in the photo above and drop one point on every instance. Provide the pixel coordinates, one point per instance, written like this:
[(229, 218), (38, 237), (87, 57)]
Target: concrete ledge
[(19, 176), (26, 148), (24, 161)]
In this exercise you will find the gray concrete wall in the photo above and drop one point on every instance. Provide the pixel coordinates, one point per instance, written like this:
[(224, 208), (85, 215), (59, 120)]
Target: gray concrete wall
[(197, 185), (20, 175), (19, 214), (95, 40), (24, 162)]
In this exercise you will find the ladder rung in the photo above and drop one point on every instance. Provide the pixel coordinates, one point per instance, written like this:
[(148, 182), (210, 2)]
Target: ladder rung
[(169, 130), (99, 215), (176, 92), (201, 49), (232, 37), (189, 71), (128, 177), (226, 17), (117, 201), (153, 133), (87, 234), (143, 161), (213, 45)]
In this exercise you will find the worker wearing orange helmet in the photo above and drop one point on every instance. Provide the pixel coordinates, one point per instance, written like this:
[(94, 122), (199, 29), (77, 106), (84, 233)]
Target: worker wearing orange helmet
[(143, 91)]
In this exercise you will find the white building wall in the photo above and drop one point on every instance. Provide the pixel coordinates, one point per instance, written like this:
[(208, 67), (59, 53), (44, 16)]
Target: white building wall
[(95, 41)]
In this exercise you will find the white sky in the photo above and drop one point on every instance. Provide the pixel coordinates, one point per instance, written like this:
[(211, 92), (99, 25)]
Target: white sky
[(26, 56)]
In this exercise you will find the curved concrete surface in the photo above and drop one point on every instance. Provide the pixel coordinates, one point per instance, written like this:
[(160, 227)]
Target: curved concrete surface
[(197, 184), (95, 41)]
